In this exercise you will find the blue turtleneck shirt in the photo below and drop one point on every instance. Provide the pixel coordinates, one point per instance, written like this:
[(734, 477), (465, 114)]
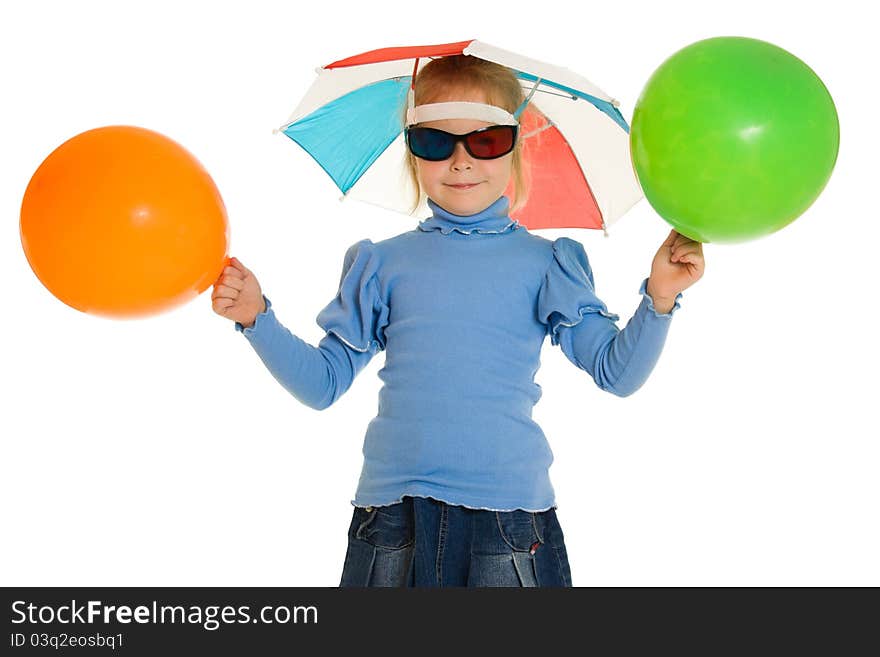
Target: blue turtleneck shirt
[(461, 305)]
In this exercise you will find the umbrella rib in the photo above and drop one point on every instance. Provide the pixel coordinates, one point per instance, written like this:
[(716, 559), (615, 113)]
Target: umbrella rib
[(536, 131), (553, 93)]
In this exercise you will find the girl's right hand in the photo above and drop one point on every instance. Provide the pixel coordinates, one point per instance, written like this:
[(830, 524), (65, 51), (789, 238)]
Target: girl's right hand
[(237, 294)]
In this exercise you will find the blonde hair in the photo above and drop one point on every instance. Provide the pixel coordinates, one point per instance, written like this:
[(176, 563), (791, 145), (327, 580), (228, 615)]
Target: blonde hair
[(501, 87)]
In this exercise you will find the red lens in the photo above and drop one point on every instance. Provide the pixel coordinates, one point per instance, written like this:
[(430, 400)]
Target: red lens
[(492, 142)]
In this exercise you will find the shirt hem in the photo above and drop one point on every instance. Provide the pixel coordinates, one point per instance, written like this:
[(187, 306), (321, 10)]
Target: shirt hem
[(467, 505)]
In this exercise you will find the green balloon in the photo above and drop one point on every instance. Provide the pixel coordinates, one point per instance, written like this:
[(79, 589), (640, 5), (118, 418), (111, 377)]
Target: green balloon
[(733, 138)]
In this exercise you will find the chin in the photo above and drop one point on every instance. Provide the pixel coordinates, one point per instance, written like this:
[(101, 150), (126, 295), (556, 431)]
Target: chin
[(465, 206)]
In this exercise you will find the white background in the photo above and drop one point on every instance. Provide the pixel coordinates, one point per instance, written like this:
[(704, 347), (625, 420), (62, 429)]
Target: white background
[(162, 452)]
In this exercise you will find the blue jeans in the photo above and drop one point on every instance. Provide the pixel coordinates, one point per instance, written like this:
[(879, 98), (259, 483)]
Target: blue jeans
[(425, 542)]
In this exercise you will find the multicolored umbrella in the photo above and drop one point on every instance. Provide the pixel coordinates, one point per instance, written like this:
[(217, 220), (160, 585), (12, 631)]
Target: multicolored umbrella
[(576, 142)]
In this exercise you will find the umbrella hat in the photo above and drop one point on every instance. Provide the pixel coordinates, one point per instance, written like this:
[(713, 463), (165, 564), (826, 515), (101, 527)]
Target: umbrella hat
[(575, 140)]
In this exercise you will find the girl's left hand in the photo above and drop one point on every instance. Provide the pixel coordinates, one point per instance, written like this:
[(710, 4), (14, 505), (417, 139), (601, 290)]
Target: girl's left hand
[(678, 265)]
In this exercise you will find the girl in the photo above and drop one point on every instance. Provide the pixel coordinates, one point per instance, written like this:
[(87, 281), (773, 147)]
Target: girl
[(454, 488)]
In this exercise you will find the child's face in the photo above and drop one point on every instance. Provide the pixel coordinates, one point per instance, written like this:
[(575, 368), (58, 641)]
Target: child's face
[(442, 180)]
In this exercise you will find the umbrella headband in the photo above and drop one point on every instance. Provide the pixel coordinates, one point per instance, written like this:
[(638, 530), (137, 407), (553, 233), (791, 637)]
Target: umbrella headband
[(459, 110)]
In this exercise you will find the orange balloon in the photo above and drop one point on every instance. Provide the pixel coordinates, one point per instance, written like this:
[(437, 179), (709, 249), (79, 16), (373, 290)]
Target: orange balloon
[(122, 221)]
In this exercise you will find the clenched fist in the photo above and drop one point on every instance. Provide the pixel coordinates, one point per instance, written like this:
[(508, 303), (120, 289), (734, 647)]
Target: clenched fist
[(237, 294), (678, 264)]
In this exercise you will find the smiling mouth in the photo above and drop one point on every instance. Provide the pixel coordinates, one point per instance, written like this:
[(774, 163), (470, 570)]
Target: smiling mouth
[(462, 185)]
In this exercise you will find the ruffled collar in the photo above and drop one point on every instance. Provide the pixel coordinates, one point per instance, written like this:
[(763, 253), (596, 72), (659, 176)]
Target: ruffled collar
[(492, 220)]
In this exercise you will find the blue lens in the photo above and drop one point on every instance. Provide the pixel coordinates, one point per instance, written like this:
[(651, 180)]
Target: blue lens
[(430, 144)]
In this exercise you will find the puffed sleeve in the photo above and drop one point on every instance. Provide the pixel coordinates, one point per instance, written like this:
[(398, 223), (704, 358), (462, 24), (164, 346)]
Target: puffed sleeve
[(354, 321), (567, 293), (619, 360), (358, 315)]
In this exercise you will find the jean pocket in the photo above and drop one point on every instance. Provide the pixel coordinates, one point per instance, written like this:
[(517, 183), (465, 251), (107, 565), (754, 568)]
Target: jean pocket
[(519, 530), (390, 527), (548, 524)]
